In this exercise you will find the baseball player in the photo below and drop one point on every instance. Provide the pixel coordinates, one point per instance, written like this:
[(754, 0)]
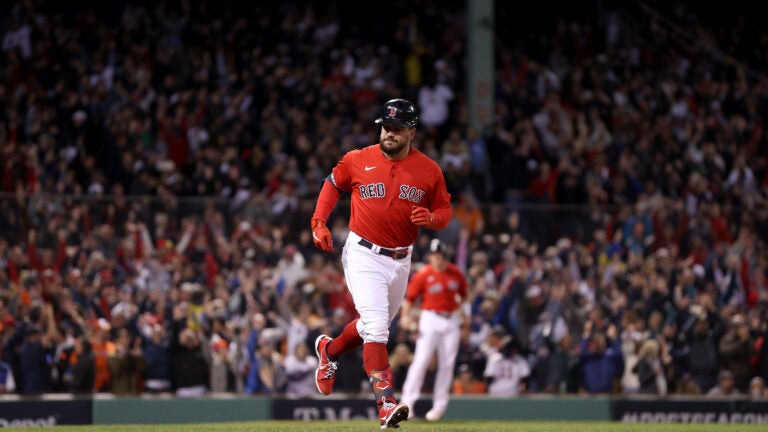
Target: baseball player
[(395, 189), (442, 288)]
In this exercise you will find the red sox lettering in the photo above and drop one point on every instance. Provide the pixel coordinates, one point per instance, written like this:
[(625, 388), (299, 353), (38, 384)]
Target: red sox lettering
[(411, 193), (379, 190), (373, 190)]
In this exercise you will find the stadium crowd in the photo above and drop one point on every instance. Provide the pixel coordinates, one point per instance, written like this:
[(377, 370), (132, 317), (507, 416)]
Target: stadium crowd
[(159, 160)]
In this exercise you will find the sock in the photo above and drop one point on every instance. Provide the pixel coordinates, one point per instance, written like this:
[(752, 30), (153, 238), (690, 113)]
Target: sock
[(381, 384), (375, 357), (348, 340)]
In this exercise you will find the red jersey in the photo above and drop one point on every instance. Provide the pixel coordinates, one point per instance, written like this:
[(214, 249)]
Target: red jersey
[(384, 191), (437, 289)]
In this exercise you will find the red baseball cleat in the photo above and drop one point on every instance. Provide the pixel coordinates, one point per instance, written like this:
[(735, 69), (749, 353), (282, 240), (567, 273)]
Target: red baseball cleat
[(325, 375), (390, 414)]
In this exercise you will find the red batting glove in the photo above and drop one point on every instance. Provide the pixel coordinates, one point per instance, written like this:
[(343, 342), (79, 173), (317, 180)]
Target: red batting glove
[(422, 217), (321, 236)]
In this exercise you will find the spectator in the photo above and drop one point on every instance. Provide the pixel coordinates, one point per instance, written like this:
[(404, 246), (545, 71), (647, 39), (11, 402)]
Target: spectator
[(253, 382), (687, 386), (221, 364), (434, 105), (189, 357), (602, 363), (82, 367), (299, 370), (40, 334), (156, 348), (35, 370), (11, 337), (7, 382), (562, 367), (736, 347), (702, 354), (271, 371), (479, 175), (400, 360), (649, 371), (290, 269), (726, 386), (455, 161), (126, 364), (468, 212), (757, 388), (506, 371), (630, 347), (466, 383), (103, 348)]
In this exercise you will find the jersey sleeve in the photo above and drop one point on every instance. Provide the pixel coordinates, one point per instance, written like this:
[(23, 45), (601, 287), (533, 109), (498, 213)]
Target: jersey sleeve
[(341, 175), (462, 281), (440, 201), (416, 286)]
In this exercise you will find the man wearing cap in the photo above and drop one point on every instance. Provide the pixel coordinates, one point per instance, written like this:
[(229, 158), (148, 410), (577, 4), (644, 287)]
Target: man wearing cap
[(441, 287)]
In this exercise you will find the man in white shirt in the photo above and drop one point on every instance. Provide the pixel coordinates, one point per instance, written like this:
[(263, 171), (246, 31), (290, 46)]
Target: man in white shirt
[(506, 370), (434, 99)]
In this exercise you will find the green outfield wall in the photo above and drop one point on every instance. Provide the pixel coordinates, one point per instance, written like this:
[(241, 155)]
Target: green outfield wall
[(155, 410), (459, 408), (530, 408), (51, 410)]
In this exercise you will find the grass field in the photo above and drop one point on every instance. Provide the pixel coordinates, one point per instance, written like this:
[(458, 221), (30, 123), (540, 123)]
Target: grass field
[(416, 425)]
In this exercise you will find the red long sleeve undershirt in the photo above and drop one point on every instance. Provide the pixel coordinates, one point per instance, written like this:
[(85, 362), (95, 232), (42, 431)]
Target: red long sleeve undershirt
[(326, 201)]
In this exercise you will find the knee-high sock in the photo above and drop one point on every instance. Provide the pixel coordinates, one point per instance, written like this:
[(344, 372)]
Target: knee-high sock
[(348, 340), (381, 384), (376, 364), (375, 357)]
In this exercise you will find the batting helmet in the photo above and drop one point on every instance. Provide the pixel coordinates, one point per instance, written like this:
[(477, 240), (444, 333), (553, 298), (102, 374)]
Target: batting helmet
[(400, 113), (437, 246)]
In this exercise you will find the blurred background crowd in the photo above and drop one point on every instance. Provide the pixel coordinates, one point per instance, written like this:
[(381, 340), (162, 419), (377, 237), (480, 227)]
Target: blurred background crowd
[(159, 163)]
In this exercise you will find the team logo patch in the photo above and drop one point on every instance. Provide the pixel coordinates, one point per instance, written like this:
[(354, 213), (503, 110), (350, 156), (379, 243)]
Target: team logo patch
[(391, 112)]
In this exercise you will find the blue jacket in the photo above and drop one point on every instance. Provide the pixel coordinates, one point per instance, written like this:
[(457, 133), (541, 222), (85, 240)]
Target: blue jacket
[(252, 381), (35, 369), (599, 371), (158, 360), (5, 373)]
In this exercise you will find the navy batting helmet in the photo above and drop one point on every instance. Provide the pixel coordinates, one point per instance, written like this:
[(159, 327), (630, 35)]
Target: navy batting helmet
[(437, 246), (400, 113)]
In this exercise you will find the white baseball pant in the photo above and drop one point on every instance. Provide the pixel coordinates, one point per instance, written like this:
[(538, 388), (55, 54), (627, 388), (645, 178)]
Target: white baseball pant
[(436, 333), (377, 284)]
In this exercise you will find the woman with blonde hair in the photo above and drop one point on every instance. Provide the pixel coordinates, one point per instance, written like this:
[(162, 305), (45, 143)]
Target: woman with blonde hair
[(648, 369)]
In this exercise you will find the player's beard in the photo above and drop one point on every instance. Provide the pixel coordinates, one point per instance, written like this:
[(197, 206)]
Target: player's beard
[(394, 146)]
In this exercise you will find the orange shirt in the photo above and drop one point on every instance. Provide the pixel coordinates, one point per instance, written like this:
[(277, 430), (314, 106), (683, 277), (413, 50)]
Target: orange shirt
[(101, 351), (437, 289), (470, 218), (474, 387)]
